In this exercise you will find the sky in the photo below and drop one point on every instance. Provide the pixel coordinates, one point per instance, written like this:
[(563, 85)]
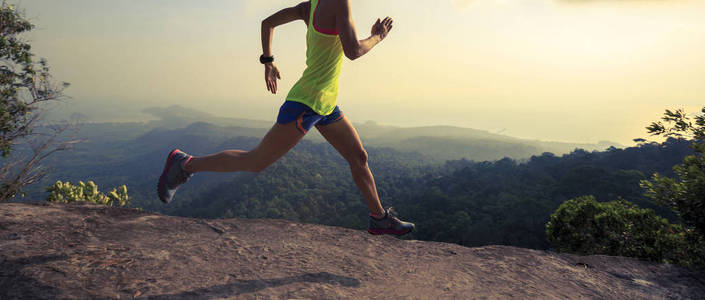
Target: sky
[(560, 70)]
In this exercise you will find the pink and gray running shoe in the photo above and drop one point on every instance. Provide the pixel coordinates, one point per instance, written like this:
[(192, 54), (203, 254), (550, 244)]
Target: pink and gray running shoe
[(389, 224), (173, 175)]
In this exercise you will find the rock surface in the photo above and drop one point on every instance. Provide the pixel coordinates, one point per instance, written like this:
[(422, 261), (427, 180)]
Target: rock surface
[(52, 251)]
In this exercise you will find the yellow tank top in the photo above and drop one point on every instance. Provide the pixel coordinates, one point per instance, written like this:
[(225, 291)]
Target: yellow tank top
[(318, 86)]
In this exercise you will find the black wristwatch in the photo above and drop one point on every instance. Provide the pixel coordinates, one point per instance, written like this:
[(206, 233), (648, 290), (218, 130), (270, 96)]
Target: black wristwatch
[(266, 59)]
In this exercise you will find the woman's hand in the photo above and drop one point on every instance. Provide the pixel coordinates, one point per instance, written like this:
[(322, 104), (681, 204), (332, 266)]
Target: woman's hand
[(382, 28), (271, 74)]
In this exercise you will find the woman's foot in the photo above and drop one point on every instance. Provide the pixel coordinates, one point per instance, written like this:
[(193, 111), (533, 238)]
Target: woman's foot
[(389, 224), (173, 175)]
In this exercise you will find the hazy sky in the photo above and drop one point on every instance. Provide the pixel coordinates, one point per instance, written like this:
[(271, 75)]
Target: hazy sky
[(570, 70)]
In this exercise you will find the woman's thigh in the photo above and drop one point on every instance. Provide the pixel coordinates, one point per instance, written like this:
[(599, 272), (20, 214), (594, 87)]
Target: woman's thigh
[(277, 142), (344, 138)]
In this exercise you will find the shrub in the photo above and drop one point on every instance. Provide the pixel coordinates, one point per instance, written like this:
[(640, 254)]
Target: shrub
[(585, 226), (65, 192), (685, 193)]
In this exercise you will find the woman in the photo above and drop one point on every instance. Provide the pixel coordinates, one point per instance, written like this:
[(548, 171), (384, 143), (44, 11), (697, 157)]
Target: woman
[(311, 102)]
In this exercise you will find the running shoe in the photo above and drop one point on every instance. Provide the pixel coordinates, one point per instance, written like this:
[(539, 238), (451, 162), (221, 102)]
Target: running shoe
[(389, 224), (173, 175)]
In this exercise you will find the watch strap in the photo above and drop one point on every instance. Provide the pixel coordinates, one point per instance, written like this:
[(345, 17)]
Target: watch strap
[(266, 59)]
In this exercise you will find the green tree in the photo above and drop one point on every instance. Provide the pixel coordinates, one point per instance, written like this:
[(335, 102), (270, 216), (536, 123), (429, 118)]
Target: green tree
[(25, 84), (65, 192), (585, 226), (685, 194)]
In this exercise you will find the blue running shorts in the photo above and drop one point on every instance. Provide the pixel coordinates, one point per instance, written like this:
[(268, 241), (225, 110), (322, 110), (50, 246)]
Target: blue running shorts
[(305, 117)]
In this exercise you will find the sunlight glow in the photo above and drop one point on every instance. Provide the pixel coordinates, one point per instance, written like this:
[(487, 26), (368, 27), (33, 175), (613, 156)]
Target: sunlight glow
[(554, 70)]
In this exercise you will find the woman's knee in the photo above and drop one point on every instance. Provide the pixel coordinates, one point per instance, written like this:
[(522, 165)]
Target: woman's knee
[(359, 159)]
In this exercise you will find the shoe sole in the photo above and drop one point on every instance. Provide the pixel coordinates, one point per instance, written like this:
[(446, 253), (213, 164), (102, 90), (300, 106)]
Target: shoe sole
[(388, 231), (163, 177)]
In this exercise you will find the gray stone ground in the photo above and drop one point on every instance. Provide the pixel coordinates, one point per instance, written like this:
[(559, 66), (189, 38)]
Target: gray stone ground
[(82, 251)]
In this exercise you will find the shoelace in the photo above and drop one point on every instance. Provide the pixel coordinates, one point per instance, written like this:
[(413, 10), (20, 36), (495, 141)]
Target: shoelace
[(184, 176), (393, 215), (391, 211)]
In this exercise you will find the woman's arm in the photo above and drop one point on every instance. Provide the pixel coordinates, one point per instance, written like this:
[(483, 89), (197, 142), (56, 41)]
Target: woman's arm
[(353, 47), (299, 12)]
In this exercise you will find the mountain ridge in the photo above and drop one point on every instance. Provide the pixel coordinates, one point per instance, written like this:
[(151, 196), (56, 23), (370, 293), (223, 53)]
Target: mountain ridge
[(191, 115)]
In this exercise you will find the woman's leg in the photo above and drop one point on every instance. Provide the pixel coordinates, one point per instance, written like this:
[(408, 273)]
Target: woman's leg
[(343, 136), (278, 141)]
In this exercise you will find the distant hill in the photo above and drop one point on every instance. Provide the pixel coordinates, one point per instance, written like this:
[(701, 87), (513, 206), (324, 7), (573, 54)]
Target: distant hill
[(176, 116), (449, 142), (439, 143), (86, 251)]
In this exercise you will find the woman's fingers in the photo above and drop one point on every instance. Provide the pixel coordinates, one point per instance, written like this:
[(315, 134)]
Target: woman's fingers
[(270, 78), (384, 25), (387, 23), (266, 78), (273, 84)]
